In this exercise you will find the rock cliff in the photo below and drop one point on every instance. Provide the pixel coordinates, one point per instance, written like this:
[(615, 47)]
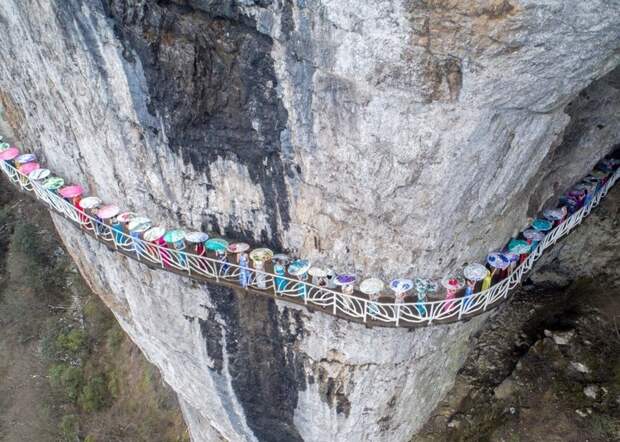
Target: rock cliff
[(395, 137)]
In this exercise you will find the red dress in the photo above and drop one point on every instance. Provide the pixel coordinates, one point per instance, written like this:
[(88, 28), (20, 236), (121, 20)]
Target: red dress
[(202, 251), (165, 256), (83, 219)]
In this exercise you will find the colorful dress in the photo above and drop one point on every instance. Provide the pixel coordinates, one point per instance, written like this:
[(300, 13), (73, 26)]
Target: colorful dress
[(244, 272), (201, 251), (137, 243), (450, 296), (486, 282), (223, 258), (469, 292), (117, 231), (83, 218), (420, 307), (179, 246), (163, 252), (279, 270), (261, 278), (99, 225)]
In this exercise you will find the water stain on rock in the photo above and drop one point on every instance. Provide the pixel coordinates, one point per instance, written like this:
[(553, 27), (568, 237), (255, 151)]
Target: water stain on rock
[(212, 85), (265, 371)]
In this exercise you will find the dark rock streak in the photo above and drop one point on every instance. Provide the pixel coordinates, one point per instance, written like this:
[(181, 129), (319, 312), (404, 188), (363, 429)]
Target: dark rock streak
[(212, 86), (266, 372)]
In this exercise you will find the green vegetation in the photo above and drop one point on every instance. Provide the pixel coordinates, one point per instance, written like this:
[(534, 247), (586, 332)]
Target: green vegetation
[(67, 379), (114, 383), (99, 386), (70, 428), (114, 338), (41, 271), (605, 427), (73, 342), (62, 342), (25, 241), (95, 395), (72, 378)]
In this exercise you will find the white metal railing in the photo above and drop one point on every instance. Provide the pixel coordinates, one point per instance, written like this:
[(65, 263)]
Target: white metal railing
[(332, 301)]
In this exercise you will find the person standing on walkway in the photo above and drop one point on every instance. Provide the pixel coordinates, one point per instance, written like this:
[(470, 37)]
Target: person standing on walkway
[(244, 271)]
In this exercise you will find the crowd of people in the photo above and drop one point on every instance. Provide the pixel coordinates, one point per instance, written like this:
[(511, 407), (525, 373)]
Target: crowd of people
[(473, 278)]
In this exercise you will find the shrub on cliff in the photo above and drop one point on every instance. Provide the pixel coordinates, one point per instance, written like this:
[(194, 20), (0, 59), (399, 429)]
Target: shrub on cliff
[(63, 342), (26, 242), (67, 379), (39, 274), (73, 342), (69, 428), (95, 394)]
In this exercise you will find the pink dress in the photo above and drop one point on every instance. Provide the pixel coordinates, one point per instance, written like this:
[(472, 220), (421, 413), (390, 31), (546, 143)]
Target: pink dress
[(201, 251), (450, 294), (165, 256)]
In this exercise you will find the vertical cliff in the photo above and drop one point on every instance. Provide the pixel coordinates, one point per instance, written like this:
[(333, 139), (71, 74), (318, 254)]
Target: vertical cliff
[(390, 137)]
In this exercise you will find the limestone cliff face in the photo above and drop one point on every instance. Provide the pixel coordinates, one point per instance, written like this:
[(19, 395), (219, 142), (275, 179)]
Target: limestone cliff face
[(390, 137), (249, 368)]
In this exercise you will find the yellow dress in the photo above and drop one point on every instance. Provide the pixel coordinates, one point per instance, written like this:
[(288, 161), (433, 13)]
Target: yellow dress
[(486, 282)]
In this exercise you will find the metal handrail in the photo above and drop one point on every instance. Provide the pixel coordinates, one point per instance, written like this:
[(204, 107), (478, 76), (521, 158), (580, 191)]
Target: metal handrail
[(331, 301)]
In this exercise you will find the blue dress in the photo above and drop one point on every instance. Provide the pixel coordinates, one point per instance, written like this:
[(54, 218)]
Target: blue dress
[(223, 258), (420, 307), (179, 246), (469, 291), (280, 282), (117, 228), (244, 273), (99, 226), (373, 309), (137, 244)]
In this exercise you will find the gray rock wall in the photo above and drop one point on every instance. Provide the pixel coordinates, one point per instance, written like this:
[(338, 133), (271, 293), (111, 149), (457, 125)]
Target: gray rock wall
[(251, 368), (390, 137)]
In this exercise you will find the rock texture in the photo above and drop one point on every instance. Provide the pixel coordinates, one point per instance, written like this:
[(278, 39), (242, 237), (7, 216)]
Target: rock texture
[(543, 366), (249, 368), (397, 137)]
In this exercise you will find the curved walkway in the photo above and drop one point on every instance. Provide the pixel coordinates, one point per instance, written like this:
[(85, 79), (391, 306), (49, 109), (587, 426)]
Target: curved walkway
[(356, 307)]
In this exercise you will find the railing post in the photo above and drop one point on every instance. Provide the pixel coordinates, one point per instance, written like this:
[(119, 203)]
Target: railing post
[(161, 260), (462, 307), (186, 261), (135, 249), (486, 300), (397, 314), (365, 303), (114, 238), (95, 227)]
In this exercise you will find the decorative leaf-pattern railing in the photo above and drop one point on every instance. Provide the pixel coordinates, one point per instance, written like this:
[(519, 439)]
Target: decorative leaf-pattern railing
[(352, 307)]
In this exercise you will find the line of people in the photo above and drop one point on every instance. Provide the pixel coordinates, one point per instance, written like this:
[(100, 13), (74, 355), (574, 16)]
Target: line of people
[(173, 245)]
